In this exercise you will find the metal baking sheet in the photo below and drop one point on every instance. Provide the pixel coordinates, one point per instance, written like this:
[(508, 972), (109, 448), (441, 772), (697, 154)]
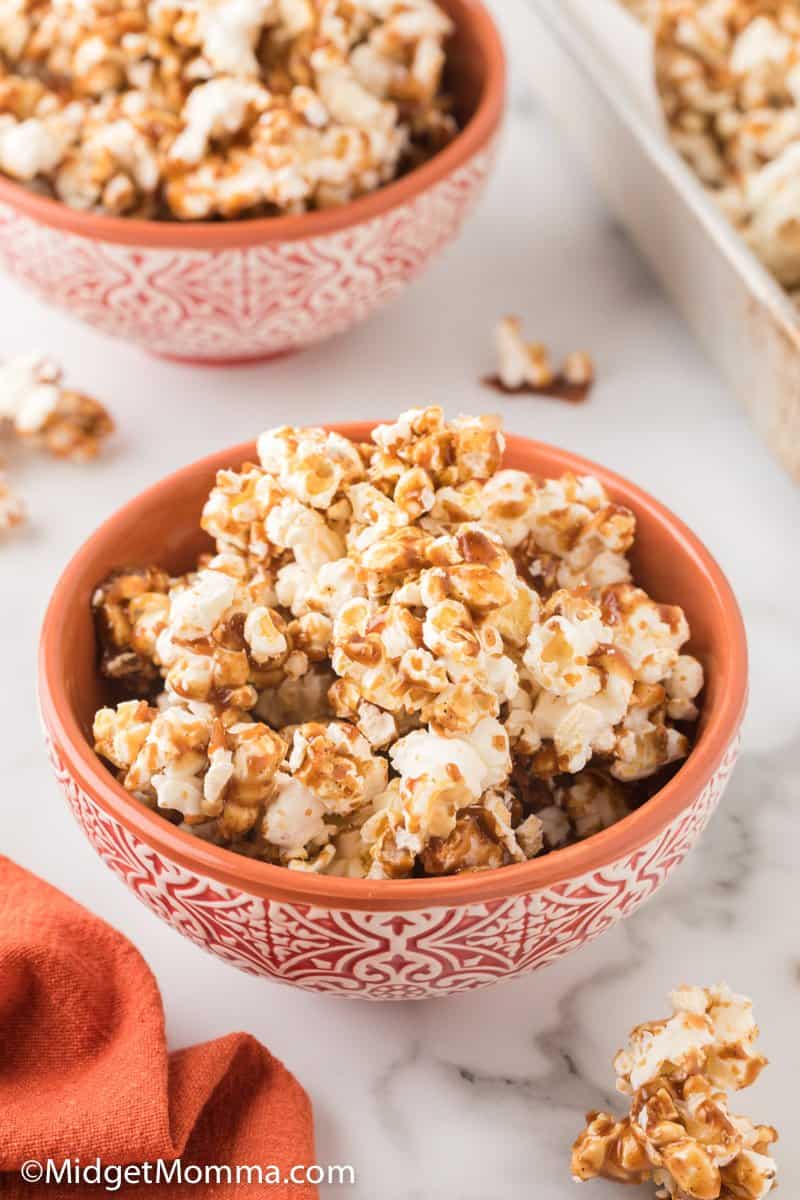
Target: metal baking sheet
[(591, 67)]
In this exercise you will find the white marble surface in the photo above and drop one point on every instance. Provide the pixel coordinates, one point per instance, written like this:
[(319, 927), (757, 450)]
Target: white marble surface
[(480, 1096)]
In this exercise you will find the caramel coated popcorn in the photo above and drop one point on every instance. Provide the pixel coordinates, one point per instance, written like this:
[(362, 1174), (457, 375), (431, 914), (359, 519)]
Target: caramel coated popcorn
[(680, 1133), (130, 608), (12, 510), (37, 410), (201, 109), (40, 410), (727, 73), (402, 659), (524, 366)]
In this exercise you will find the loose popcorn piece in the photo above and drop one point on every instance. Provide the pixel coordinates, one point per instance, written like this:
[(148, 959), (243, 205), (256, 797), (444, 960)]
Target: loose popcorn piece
[(67, 424), (521, 364), (35, 408), (727, 73), (442, 662), (197, 109), (12, 510), (526, 366), (680, 1133), (578, 369)]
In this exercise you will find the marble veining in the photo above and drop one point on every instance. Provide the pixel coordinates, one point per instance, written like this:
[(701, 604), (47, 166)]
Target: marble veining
[(476, 1097)]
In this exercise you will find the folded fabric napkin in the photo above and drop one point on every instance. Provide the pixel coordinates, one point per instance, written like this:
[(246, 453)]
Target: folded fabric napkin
[(85, 1072)]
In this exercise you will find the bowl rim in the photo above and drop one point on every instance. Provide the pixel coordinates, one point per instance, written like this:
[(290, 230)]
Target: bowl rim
[(222, 235), (279, 883)]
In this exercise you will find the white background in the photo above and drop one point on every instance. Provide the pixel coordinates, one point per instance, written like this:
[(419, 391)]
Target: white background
[(480, 1096)]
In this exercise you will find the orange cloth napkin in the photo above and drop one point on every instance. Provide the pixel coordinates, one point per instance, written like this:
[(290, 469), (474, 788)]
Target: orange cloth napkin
[(84, 1068)]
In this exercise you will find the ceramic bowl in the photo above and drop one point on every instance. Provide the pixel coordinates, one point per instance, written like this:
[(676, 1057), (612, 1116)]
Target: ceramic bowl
[(252, 289), (387, 939)]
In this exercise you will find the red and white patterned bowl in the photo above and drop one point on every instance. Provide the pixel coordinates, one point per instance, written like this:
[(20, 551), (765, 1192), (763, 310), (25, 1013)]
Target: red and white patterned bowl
[(401, 939), (253, 289)]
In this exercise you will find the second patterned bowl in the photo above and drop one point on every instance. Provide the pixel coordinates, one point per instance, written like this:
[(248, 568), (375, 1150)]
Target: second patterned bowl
[(233, 291)]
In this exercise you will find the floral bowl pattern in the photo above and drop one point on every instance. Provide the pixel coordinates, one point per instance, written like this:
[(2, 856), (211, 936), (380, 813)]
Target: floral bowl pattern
[(403, 939)]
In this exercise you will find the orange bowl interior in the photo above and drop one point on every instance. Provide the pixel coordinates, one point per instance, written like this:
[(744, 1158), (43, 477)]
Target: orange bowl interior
[(161, 526)]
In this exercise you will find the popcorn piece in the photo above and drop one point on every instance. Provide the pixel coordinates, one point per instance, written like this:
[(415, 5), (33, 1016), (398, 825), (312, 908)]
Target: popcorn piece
[(219, 644), (469, 847), (586, 685), (682, 685), (578, 369), (224, 32), (37, 128), (76, 428), (335, 762), (12, 510), (608, 1149), (311, 633), (377, 726), (574, 519), (235, 511), (316, 865), (255, 754), (525, 366), (649, 634), (131, 609), (555, 826), (470, 447), (592, 802), (312, 465), (120, 734), (560, 649), (680, 1133), (67, 424), (519, 363), (295, 817), (505, 504), (216, 111), (388, 848), (645, 741), (530, 835), (439, 777), (194, 764), (482, 762), (732, 1061)]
